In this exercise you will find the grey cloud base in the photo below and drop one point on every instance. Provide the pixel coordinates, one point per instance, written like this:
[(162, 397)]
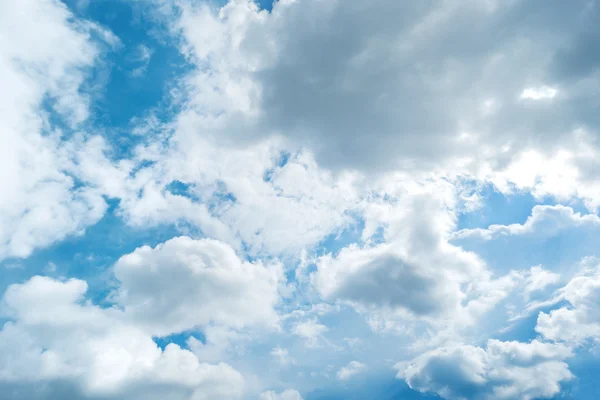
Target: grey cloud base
[(387, 84)]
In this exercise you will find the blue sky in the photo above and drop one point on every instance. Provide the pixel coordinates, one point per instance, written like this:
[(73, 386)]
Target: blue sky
[(299, 200)]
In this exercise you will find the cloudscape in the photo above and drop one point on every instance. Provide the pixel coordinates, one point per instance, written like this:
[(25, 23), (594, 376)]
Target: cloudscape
[(299, 199)]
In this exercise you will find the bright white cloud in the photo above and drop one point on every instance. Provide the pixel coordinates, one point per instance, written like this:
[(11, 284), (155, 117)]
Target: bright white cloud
[(503, 370), (580, 321), (388, 84), (219, 343), (311, 331), (352, 369), (541, 93), (282, 356), (416, 272), (544, 221), (538, 279), (43, 58), (308, 121), (186, 283), (260, 198), (58, 336)]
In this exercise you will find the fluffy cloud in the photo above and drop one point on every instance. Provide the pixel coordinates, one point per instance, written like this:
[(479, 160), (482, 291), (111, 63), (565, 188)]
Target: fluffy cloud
[(416, 272), (544, 221), (282, 356), (42, 68), (379, 278), (553, 236), (503, 370), (389, 84), (263, 198), (294, 125), (538, 279), (285, 395), (311, 331), (564, 174), (186, 283), (580, 321), (57, 337), (352, 369)]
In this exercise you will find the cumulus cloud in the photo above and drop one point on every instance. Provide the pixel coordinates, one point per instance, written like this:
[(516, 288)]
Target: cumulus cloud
[(581, 321), (264, 198), (501, 370), (544, 221), (384, 84), (56, 337), (373, 277), (352, 369), (42, 68), (282, 356), (285, 395), (414, 273), (186, 283), (311, 331), (538, 279)]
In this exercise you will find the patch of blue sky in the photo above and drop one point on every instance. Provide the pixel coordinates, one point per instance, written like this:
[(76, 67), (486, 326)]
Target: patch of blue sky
[(282, 160), (132, 83), (180, 339), (143, 164), (505, 209), (53, 120), (348, 337), (89, 256), (523, 329), (179, 188), (266, 4), (129, 84), (586, 385), (262, 4), (336, 241), (380, 386), (333, 243), (563, 250), (221, 197)]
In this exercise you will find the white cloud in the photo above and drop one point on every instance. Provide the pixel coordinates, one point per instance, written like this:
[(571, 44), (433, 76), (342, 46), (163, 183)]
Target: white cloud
[(282, 356), (544, 221), (42, 68), (311, 331), (219, 343), (259, 198), (275, 100), (580, 321), (141, 59), (186, 283), (538, 279), (415, 273), (541, 93), (352, 369), (56, 335), (285, 395), (388, 84), (503, 370), (565, 173)]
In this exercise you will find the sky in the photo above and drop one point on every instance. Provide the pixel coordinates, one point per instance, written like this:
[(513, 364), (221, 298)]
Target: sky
[(299, 200)]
